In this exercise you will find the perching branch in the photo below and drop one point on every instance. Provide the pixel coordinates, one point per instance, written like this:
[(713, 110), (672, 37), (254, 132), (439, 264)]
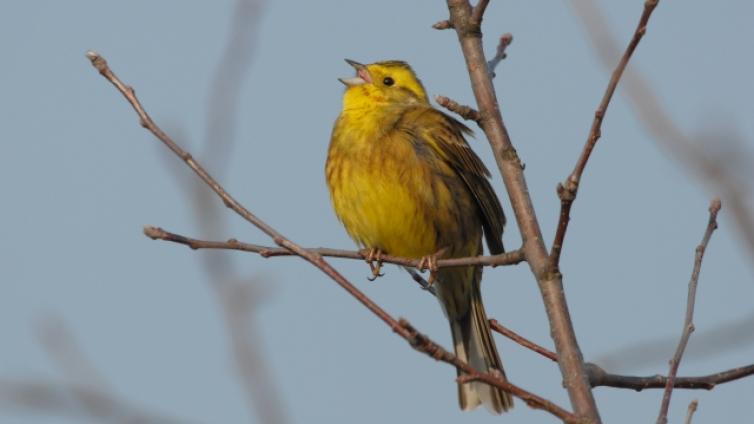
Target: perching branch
[(688, 323), (467, 26), (402, 327), (155, 233), (568, 189)]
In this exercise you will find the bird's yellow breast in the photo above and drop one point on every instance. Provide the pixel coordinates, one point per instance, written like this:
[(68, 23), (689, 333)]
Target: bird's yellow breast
[(387, 193)]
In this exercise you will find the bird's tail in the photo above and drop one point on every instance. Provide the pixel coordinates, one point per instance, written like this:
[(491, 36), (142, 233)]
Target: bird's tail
[(474, 345)]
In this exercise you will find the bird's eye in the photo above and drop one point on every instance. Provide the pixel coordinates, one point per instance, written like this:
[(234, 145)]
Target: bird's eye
[(388, 81)]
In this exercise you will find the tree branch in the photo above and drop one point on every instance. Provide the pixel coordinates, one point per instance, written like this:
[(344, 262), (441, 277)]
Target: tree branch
[(600, 377), (690, 413), (567, 190), (417, 340), (522, 340), (156, 233), (550, 283), (505, 41), (466, 112), (444, 24), (688, 323)]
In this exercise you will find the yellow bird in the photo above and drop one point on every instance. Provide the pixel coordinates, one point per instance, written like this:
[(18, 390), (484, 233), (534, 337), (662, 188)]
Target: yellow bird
[(404, 181)]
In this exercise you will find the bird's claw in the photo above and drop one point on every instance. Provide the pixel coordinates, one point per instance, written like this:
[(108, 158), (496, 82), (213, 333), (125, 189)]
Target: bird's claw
[(373, 257), (429, 262)]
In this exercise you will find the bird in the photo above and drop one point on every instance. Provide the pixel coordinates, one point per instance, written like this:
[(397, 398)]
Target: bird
[(404, 181)]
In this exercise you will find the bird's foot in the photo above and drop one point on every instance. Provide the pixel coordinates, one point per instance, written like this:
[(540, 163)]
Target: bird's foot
[(429, 262), (373, 257)]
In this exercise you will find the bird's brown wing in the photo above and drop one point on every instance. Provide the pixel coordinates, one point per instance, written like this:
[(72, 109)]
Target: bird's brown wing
[(446, 136)]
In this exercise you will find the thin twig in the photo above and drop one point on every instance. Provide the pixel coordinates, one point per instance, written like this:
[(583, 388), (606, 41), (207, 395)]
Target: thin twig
[(466, 112), (522, 340), (600, 377), (570, 358), (688, 323), (444, 24), (505, 41), (155, 233), (402, 327), (567, 190), (690, 413)]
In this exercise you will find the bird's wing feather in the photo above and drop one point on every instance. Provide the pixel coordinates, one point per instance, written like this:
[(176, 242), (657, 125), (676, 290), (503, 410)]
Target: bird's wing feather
[(446, 136)]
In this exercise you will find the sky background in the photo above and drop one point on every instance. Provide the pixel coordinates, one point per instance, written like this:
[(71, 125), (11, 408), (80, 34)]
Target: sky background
[(79, 179)]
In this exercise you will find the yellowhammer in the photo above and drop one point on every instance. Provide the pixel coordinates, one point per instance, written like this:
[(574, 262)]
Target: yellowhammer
[(404, 181)]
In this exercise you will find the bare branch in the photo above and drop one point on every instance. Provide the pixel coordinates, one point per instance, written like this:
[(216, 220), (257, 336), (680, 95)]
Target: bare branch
[(692, 408), (688, 323), (522, 340), (444, 24), (567, 190), (505, 41), (550, 282), (466, 112), (417, 340), (156, 233), (600, 377)]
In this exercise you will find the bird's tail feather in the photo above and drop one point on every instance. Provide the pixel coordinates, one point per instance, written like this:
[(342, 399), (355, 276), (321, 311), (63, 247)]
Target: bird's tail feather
[(474, 345)]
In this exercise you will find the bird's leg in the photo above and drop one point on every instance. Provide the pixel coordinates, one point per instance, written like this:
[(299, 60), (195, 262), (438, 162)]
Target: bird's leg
[(429, 262), (373, 257)]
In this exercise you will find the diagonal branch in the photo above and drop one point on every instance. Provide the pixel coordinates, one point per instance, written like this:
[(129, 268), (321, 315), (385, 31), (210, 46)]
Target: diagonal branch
[(550, 282), (688, 322), (155, 233), (523, 341), (567, 190), (417, 340)]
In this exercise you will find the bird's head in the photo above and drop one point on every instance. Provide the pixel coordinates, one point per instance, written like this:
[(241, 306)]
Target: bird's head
[(380, 83)]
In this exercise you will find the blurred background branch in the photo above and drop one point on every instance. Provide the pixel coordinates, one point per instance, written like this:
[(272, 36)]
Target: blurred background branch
[(717, 158), (238, 296)]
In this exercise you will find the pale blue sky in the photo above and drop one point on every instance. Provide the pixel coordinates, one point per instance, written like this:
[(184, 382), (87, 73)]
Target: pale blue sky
[(79, 178)]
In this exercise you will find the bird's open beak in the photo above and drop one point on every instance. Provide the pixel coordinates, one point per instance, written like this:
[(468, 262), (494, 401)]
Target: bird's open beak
[(362, 75)]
